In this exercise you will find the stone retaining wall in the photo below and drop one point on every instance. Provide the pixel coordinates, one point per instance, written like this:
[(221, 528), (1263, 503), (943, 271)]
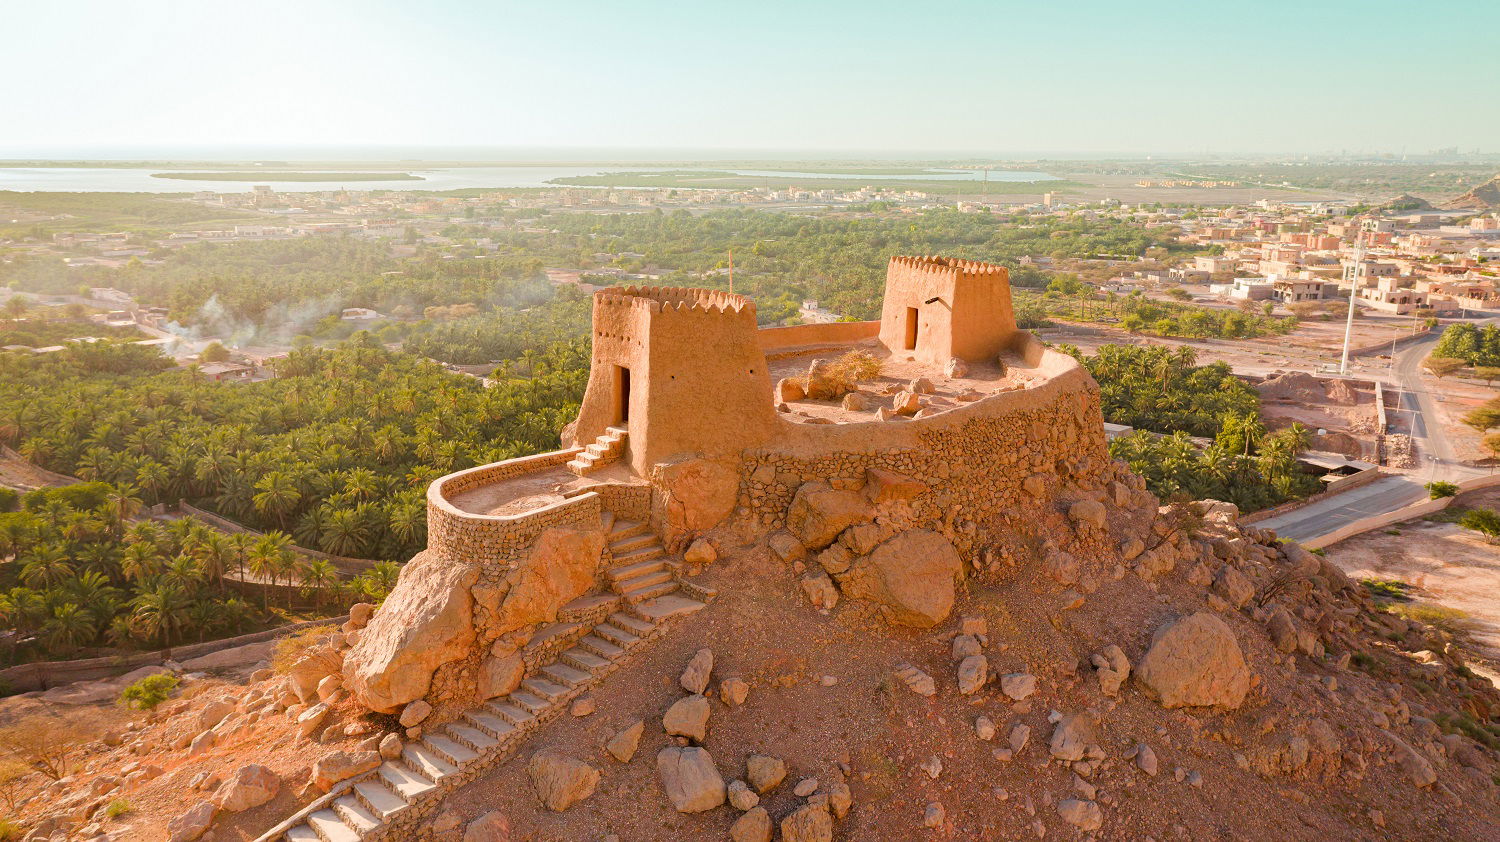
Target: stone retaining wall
[(500, 539)]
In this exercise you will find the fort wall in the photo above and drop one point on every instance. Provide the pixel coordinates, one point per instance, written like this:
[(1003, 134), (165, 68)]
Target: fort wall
[(774, 339), (938, 308), (500, 540)]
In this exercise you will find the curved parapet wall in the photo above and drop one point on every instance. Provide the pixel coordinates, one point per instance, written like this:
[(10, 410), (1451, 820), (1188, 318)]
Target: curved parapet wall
[(461, 536), (978, 456)]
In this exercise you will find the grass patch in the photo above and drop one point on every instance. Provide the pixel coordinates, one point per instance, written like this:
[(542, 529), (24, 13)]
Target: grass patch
[(1365, 661), (1460, 723), (10, 831), (290, 648), (1438, 616), (1388, 589), (118, 808)]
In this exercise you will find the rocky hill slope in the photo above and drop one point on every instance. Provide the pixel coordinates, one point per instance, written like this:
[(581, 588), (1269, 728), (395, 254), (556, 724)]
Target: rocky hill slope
[(1483, 197), (1110, 670)]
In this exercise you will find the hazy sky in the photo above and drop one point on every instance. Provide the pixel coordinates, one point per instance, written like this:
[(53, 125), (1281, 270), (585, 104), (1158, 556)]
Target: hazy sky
[(1140, 76)]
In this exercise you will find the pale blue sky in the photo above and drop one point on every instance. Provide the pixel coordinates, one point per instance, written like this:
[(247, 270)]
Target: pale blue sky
[(1133, 76)]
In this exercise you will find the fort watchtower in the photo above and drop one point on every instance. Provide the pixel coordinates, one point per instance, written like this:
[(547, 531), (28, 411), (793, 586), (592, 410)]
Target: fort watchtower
[(680, 369), (938, 308)]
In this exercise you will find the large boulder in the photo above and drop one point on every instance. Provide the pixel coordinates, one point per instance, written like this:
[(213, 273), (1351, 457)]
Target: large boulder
[(342, 765), (500, 676), (690, 779), (911, 575), (560, 781), (311, 667), (818, 513), (427, 621), (699, 494), (810, 823), (1195, 662), (191, 824), (560, 568), (250, 786)]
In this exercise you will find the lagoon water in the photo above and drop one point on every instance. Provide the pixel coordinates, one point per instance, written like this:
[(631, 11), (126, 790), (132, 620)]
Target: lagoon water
[(140, 180)]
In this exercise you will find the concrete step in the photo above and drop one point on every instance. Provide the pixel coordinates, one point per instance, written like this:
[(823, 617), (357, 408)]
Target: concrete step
[(331, 828), (546, 689), (647, 592), (642, 580), (511, 712), (405, 782), (616, 636), (622, 546), (626, 571), (585, 605), (474, 738), (616, 430), (426, 762), (356, 814), (628, 529), (653, 551), (582, 659), (379, 798), (449, 749), (631, 623), (489, 723), (603, 449), (568, 676), (599, 646), (663, 607), (302, 833), (550, 633), (532, 703)]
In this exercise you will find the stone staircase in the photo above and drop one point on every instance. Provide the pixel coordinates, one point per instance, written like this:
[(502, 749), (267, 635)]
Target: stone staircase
[(605, 449), (593, 636)]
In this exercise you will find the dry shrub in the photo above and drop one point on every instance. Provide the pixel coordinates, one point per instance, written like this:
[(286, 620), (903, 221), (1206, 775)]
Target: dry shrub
[(290, 648), (844, 374), (49, 743)]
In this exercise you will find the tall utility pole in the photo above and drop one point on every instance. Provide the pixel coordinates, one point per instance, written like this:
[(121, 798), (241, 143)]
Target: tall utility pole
[(1352, 274)]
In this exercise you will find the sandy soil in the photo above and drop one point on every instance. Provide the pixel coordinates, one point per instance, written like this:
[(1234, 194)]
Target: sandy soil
[(1448, 565)]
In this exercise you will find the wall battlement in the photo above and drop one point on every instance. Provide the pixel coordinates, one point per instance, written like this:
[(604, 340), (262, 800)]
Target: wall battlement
[(673, 299), (954, 265)]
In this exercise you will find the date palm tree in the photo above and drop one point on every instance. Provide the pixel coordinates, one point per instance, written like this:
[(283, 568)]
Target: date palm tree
[(161, 612)]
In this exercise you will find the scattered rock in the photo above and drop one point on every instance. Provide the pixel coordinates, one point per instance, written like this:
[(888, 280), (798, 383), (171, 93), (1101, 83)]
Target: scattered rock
[(984, 728), (916, 680), (819, 590), (818, 513), (1084, 815), (973, 672), (810, 823), (414, 713), (840, 799), (690, 779), (1112, 668), (1071, 737), (700, 552), (687, 717), (764, 772), (805, 787), (734, 691), (695, 677), (390, 747), (622, 745), (786, 547), (340, 765), (310, 720), (956, 368), (911, 576), (561, 781), (856, 401), (583, 706), (933, 815), (790, 389), (1195, 661), (741, 796), (250, 786), (754, 826), (490, 827), (1018, 738), (1145, 758), (1017, 685), (1088, 512), (191, 824)]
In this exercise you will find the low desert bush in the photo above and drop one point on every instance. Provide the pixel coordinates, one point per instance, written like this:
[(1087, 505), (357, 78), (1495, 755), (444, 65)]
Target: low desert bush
[(118, 808), (149, 691)]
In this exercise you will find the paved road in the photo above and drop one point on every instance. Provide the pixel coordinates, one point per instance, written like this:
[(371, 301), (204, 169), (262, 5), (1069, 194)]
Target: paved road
[(1386, 495)]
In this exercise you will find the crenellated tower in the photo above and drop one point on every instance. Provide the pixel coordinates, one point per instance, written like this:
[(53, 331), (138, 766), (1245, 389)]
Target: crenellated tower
[(681, 369), (938, 308)]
